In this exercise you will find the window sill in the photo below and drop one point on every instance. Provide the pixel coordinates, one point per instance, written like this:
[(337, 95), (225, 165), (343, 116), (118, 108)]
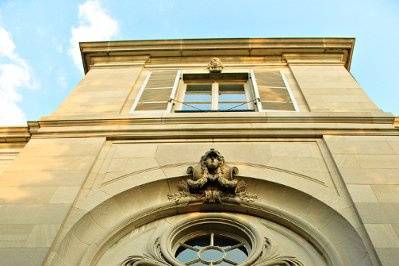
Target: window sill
[(213, 111)]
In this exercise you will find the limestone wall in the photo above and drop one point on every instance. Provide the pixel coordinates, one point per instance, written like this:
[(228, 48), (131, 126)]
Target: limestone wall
[(102, 91), (111, 91), (329, 88), (300, 164), (8, 152), (54, 183), (370, 168), (37, 191)]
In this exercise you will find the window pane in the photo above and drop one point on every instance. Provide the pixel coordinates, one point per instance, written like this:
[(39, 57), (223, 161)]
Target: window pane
[(206, 87), (197, 97), (198, 93), (212, 249), (186, 255), (231, 92), (225, 241), (201, 241), (237, 255), (231, 87), (196, 106), (233, 106)]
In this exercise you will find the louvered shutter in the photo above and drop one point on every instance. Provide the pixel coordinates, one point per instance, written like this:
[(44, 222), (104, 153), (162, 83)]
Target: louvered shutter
[(273, 92), (157, 91)]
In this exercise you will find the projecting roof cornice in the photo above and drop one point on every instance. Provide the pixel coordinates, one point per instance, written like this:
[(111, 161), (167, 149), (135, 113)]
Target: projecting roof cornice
[(292, 50)]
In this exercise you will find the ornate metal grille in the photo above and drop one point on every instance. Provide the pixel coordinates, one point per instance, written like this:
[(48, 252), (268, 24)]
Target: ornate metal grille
[(213, 249)]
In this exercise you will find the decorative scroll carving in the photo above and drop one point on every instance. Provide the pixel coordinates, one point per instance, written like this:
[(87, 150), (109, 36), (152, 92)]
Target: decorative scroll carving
[(212, 181), (153, 257), (270, 257), (215, 65)]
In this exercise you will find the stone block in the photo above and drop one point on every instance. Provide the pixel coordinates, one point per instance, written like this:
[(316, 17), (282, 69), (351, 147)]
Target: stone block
[(42, 178), (386, 193), (33, 213), (378, 161), (88, 96), (23, 194), (382, 235), (42, 235), (362, 193), (129, 150), (388, 256), (14, 235), (395, 145), (331, 89), (378, 213), (369, 176), (63, 147), (22, 256), (64, 195)]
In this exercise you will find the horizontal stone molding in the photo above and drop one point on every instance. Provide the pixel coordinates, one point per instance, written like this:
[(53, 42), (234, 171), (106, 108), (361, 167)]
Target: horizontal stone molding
[(123, 51), (14, 134), (231, 125), (204, 126)]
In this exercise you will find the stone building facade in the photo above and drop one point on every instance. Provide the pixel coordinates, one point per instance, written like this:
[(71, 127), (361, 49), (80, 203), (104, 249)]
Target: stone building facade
[(205, 152)]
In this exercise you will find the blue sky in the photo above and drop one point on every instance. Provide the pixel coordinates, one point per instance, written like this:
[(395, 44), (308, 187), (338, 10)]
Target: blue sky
[(39, 63)]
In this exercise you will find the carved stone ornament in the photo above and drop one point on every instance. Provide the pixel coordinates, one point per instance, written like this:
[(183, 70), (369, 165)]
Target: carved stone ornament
[(212, 181), (215, 65), (269, 256), (153, 257)]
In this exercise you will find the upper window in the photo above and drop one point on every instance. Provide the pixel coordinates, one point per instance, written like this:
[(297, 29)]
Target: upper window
[(207, 92), (178, 91)]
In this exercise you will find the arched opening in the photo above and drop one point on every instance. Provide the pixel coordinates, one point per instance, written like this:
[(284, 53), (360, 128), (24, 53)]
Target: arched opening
[(279, 208)]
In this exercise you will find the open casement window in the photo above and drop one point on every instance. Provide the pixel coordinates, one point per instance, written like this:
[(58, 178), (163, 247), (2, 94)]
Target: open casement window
[(222, 92), (274, 93), (156, 91), (173, 91)]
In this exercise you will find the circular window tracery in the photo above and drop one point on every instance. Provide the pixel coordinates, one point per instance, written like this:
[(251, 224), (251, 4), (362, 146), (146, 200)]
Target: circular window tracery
[(213, 249), (211, 239)]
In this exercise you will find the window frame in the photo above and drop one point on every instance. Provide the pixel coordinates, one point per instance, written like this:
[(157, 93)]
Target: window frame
[(179, 88), (215, 100), (178, 93)]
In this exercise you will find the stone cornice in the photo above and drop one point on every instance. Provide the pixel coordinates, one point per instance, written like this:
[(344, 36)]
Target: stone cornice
[(197, 131), (218, 118), (131, 52), (14, 134), (175, 126)]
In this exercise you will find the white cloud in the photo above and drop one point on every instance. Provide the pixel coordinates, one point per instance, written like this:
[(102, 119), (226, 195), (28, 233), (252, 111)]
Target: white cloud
[(15, 75), (95, 24)]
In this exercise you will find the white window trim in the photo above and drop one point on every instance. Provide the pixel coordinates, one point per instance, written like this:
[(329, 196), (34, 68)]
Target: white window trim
[(140, 93), (287, 86), (169, 108), (252, 83), (290, 93), (256, 90)]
